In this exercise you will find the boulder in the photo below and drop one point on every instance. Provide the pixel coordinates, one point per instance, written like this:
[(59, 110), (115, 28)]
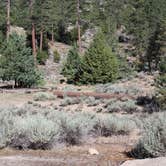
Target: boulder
[(161, 161)]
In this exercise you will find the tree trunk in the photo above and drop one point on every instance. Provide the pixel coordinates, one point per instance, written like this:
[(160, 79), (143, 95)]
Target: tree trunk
[(52, 34), (41, 40), (78, 26), (8, 20), (34, 42)]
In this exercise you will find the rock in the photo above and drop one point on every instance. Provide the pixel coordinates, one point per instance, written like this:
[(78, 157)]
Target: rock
[(161, 161), (93, 151), (18, 30)]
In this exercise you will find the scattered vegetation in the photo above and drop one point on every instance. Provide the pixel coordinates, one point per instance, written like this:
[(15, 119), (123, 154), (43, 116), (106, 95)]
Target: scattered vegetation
[(36, 128)]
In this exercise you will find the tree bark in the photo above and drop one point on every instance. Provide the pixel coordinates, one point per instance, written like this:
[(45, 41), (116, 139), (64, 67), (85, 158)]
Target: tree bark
[(78, 26), (41, 40), (34, 42), (8, 20)]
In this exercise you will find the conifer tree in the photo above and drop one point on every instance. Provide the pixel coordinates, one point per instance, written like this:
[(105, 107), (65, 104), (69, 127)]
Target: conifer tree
[(99, 63)]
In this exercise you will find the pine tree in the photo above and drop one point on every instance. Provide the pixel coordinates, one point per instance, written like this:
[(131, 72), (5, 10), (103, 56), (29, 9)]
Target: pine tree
[(99, 63), (72, 69), (17, 63)]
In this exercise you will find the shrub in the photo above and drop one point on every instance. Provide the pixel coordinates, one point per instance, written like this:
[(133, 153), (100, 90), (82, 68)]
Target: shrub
[(118, 89), (42, 56), (153, 142), (33, 132), (70, 101), (91, 101), (100, 65), (128, 106), (73, 67), (57, 56), (17, 63), (112, 125), (43, 96), (161, 91), (161, 85), (38, 128)]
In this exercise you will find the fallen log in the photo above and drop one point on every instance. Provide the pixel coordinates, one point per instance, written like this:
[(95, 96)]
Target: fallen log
[(62, 94)]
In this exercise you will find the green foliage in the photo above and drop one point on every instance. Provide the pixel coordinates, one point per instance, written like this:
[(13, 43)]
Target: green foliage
[(153, 142), (73, 67), (99, 62), (42, 56), (17, 63), (57, 56)]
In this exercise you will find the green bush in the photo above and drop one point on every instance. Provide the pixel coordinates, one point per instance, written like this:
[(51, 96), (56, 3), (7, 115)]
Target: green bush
[(73, 67), (153, 142), (17, 63), (57, 56), (42, 56)]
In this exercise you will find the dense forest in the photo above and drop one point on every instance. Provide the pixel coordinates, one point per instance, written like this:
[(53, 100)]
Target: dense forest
[(51, 19)]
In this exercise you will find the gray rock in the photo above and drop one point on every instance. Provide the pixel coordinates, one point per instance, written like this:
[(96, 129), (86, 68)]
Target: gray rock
[(161, 161)]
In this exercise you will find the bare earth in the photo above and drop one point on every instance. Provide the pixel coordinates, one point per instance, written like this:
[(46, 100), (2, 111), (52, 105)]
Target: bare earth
[(111, 153)]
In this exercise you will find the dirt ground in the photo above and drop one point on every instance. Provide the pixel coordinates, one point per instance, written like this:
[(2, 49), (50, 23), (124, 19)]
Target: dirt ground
[(111, 153)]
